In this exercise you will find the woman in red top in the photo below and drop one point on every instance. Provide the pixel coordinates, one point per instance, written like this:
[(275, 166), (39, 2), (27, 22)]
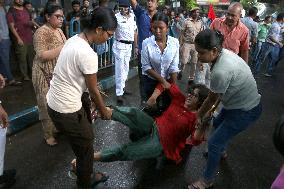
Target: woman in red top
[(165, 134)]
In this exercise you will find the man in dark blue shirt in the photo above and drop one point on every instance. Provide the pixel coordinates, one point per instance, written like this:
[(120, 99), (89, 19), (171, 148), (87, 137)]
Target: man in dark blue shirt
[(143, 20)]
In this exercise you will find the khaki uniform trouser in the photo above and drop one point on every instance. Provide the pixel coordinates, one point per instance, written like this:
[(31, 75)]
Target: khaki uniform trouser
[(189, 54)]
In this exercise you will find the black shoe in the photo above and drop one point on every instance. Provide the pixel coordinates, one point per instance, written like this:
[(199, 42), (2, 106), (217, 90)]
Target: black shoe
[(126, 92), (8, 176), (8, 185), (179, 76), (119, 100)]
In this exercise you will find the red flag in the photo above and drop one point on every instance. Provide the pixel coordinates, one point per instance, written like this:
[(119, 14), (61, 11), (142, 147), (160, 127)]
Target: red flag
[(211, 13)]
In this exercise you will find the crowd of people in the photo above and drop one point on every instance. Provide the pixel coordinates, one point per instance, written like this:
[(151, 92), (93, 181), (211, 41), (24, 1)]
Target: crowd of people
[(224, 57)]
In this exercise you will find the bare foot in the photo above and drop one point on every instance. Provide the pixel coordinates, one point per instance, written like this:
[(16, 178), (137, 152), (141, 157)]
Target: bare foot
[(73, 164), (51, 141), (97, 156)]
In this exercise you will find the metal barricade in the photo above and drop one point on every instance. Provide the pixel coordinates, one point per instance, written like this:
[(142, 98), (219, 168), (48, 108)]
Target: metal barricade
[(105, 55), (74, 27), (104, 51)]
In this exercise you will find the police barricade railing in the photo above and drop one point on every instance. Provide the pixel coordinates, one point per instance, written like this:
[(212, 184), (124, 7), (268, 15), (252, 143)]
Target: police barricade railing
[(105, 54), (74, 27), (104, 51)]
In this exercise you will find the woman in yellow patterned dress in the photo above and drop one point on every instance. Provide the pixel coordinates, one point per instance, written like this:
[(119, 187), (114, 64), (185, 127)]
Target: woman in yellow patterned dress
[(48, 42)]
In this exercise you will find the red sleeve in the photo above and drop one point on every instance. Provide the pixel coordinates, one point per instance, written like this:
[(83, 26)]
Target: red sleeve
[(160, 87), (10, 18), (191, 140), (174, 91), (176, 94)]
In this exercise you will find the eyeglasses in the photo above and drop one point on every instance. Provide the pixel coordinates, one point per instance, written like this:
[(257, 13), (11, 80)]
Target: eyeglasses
[(59, 16), (109, 34), (191, 93), (123, 8)]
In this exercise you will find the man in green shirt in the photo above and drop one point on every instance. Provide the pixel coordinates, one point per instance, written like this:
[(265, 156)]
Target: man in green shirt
[(262, 34)]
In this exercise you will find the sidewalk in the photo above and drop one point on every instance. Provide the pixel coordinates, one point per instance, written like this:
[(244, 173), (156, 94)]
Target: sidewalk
[(21, 106)]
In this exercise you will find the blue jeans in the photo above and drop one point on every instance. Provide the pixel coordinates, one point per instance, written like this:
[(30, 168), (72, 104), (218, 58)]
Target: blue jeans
[(228, 124), (5, 59), (257, 50), (281, 55), (269, 51)]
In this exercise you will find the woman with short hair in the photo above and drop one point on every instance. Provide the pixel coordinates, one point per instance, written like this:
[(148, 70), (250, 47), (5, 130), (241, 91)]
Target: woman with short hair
[(75, 72)]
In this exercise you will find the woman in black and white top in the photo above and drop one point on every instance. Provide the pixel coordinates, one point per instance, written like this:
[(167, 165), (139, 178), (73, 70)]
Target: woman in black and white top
[(75, 72)]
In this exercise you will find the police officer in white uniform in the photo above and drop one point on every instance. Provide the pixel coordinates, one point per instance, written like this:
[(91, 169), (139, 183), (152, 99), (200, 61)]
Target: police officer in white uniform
[(125, 36)]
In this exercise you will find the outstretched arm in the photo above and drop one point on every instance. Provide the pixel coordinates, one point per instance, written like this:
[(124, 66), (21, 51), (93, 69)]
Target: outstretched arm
[(152, 100)]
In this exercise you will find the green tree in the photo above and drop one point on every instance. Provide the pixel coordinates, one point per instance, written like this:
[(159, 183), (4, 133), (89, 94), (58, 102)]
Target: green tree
[(248, 3), (190, 3), (162, 2)]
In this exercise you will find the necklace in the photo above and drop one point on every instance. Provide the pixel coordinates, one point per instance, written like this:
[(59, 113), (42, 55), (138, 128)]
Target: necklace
[(85, 35)]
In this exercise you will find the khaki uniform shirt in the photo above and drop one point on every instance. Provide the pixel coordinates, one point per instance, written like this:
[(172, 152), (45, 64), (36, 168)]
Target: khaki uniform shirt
[(190, 29)]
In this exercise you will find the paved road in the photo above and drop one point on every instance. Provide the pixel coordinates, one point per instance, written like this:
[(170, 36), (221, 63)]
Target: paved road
[(253, 162)]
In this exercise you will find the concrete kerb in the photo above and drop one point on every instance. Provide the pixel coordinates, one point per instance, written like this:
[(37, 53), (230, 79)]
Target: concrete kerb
[(27, 117)]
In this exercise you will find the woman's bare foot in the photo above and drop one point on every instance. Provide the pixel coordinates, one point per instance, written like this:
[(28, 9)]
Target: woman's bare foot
[(51, 141), (97, 156)]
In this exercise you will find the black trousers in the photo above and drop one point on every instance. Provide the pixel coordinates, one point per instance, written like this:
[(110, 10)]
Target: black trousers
[(143, 95), (80, 134)]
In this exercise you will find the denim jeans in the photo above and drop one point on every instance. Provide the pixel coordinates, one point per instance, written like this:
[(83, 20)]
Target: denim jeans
[(281, 55), (5, 59), (257, 50), (228, 124), (269, 51)]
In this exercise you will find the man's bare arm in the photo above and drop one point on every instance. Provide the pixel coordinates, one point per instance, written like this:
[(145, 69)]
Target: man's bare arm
[(245, 54), (15, 33)]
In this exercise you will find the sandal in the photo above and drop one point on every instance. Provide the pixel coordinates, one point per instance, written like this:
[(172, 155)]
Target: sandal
[(14, 83), (102, 177), (97, 178), (199, 185)]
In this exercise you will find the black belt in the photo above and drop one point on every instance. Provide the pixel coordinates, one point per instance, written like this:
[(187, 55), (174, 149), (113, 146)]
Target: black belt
[(126, 42)]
